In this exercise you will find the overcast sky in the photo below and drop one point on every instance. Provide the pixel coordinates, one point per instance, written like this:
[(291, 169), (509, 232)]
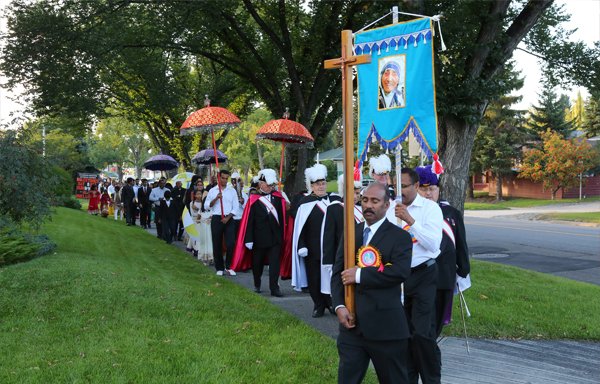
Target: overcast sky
[(585, 15)]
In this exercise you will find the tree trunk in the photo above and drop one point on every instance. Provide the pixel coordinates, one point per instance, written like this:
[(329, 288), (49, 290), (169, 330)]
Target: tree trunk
[(498, 187), (295, 175), (456, 137), (261, 162)]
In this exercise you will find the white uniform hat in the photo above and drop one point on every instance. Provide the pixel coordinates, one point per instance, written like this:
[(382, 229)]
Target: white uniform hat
[(235, 175), (357, 184), (315, 173), (380, 165), (268, 175)]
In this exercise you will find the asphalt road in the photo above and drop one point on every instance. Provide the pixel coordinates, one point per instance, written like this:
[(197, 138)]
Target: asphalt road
[(559, 249)]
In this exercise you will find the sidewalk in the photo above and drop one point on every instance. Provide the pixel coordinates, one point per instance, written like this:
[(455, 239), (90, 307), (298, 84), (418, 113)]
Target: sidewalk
[(593, 206), (489, 361)]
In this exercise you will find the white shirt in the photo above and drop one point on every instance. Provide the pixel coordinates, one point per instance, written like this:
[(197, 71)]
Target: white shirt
[(238, 209), (230, 201), (426, 230), (157, 194), (135, 189), (111, 189), (373, 229)]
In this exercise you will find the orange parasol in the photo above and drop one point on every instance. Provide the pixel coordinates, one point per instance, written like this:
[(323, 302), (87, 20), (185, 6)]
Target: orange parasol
[(288, 132), (208, 119)]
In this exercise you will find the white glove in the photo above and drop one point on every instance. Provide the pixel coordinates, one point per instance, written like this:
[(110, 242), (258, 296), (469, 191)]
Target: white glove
[(303, 252), (249, 245)]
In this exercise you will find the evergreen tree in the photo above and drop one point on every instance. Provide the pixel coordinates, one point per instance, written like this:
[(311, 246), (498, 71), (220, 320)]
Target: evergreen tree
[(591, 117), (550, 114), (499, 140)]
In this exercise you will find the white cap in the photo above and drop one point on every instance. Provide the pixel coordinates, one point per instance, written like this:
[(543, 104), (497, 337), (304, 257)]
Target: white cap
[(235, 175), (315, 173), (380, 165), (268, 175)]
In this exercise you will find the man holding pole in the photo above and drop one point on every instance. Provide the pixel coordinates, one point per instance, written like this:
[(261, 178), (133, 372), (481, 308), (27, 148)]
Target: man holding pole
[(379, 332)]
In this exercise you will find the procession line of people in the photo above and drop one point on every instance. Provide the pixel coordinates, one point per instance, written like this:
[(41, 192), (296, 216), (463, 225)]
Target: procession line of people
[(410, 249)]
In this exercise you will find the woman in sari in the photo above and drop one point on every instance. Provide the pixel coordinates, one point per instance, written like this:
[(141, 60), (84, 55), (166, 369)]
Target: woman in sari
[(94, 196)]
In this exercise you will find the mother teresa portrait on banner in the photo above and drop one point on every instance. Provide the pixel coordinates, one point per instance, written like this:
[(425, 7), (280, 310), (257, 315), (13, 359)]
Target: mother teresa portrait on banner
[(392, 80)]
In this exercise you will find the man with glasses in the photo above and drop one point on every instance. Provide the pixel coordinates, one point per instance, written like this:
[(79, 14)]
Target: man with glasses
[(306, 243), (422, 219)]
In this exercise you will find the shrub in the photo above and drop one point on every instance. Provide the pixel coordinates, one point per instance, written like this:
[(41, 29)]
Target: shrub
[(65, 185), (25, 183), (71, 202), (17, 246)]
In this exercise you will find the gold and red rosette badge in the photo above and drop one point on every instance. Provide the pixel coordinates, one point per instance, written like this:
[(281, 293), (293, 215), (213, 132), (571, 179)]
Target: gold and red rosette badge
[(369, 256)]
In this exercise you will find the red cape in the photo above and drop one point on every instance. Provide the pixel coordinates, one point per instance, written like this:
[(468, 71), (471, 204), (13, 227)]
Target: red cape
[(242, 257)]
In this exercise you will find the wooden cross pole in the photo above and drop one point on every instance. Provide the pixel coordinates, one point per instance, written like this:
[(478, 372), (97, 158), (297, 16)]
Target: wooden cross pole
[(346, 62)]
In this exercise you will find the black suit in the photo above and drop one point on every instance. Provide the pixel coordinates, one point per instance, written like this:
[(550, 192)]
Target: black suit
[(127, 196), (145, 205), (178, 195), (266, 234), (453, 260), (168, 218), (381, 333)]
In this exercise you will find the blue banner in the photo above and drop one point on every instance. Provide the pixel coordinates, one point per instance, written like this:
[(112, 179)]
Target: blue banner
[(396, 91)]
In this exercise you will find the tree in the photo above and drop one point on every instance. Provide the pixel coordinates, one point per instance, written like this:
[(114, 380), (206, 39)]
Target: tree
[(59, 140), (559, 162), (591, 117), (550, 114), (499, 140), (25, 182), (139, 54), (245, 152), (120, 142), (577, 112)]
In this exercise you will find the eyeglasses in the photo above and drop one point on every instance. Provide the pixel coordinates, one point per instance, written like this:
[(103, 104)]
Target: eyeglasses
[(429, 188), (406, 185)]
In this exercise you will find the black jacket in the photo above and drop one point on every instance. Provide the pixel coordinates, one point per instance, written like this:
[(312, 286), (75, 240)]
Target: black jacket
[(144, 198), (379, 311), (262, 228), (453, 258)]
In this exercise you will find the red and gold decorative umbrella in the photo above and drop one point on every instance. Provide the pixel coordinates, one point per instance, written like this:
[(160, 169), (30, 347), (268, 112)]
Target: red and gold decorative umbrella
[(287, 132), (208, 119)]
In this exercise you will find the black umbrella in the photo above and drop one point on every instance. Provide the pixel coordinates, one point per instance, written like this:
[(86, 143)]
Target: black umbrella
[(161, 163), (207, 156)]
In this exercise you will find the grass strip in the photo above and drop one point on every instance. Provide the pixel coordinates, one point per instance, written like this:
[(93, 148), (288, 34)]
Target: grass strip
[(583, 217), (521, 203), (511, 303)]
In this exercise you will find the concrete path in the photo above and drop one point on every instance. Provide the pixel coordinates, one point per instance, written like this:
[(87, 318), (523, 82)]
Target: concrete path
[(488, 361), (528, 213)]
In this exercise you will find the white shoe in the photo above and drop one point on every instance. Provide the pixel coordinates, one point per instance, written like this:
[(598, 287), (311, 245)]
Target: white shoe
[(219, 273), (231, 272)]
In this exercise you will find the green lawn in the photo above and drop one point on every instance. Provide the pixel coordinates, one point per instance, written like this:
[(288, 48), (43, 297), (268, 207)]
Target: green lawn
[(587, 217), (520, 203), (509, 302), (115, 305)]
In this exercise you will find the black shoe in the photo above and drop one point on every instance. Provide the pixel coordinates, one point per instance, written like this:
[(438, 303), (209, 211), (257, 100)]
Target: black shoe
[(277, 293), (257, 289), (318, 312), (330, 309)]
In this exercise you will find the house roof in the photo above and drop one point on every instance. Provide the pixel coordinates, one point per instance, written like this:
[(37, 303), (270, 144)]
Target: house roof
[(336, 154)]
